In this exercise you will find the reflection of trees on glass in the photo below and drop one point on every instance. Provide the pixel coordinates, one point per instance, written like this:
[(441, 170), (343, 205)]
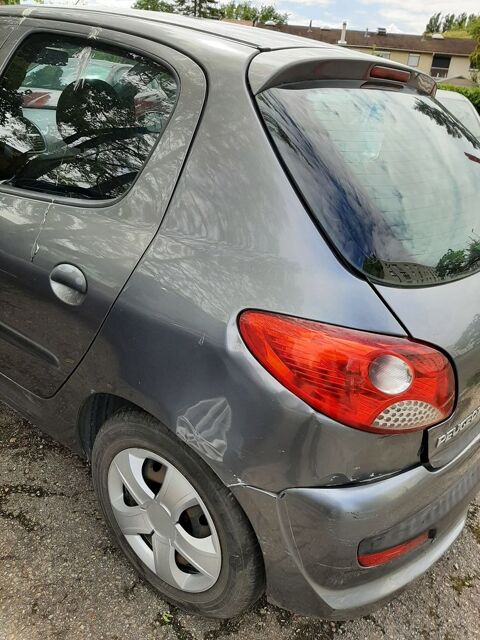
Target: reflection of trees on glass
[(96, 114), (373, 267), (14, 132), (45, 76), (459, 262), (444, 119), (440, 117)]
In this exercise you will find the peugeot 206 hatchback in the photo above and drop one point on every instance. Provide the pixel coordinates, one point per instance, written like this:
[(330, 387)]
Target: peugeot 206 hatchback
[(239, 271)]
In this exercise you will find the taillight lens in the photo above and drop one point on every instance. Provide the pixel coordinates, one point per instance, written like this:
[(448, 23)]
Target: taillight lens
[(364, 380)]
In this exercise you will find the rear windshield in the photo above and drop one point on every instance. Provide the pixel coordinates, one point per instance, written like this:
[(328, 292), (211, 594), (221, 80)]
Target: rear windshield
[(392, 178), (464, 111)]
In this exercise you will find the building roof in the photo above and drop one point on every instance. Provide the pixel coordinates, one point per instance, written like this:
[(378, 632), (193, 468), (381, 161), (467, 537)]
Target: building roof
[(245, 23), (388, 42)]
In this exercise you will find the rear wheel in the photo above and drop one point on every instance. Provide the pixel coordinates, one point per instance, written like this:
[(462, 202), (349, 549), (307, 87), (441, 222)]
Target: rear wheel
[(178, 525)]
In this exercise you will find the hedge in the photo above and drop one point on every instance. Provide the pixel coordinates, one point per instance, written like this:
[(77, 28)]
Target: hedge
[(472, 93)]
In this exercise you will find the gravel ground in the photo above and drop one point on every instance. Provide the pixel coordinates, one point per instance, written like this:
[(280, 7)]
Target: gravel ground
[(62, 577)]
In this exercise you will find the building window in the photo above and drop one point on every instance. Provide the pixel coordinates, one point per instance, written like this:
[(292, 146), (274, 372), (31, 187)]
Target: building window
[(413, 59), (440, 66), (383, 54)]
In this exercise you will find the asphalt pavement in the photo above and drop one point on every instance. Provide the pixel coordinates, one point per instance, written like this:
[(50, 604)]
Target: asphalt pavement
[(62, 577)]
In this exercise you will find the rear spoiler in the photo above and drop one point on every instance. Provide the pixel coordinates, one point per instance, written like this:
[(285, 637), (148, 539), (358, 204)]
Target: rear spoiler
[(287, 66)]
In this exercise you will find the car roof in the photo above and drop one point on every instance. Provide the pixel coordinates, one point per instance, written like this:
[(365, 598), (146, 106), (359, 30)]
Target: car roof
[(263, 39), (213, 43)]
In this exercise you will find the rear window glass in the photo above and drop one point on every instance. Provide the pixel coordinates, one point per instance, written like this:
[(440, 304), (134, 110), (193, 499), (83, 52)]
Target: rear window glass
[(391, 177), (464, 111)]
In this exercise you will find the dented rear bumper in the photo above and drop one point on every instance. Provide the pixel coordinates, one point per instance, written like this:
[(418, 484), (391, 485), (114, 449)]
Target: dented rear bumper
[(310, 536)]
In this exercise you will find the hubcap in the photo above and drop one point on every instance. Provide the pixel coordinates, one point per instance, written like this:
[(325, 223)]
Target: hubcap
[(164, 520)]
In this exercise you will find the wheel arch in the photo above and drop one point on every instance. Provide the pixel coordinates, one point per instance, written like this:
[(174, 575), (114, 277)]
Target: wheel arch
[(94, 412)]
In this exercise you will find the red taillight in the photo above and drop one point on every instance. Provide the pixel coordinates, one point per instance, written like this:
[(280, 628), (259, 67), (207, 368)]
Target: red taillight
[(382, 557), (364, 380), (388, 73)]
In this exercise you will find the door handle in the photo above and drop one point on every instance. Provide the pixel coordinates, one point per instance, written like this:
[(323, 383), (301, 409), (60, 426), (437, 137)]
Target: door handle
[(68, 283)]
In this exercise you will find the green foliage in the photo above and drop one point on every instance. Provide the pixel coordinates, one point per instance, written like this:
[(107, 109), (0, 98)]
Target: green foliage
[(240, 11), (459, 262), (246, 11), (267, 12), (458, 26), (4, 2), (457, 33), (474, 30), (440, 23), (434, 25), (450, 264), (472, 93), (198, 8), (166, 617), (154, 5)]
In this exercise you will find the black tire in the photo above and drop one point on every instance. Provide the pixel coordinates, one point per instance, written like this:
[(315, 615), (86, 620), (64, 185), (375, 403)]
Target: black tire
[(241, 581)]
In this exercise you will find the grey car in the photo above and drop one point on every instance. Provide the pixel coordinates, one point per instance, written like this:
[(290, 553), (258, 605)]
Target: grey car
[(246, 288)]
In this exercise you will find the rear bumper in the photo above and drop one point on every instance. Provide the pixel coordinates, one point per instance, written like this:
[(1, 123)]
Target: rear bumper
[(310, 536)]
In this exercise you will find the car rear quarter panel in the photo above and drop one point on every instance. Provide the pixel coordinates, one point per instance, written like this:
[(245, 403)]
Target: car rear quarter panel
[(448, 315)]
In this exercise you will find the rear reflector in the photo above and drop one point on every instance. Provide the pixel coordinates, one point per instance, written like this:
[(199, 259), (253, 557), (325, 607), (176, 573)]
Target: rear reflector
[(382, 557), (388, 73), (364, 380)]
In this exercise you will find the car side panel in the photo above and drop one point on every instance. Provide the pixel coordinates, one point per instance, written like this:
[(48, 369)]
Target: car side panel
[(235, 236)]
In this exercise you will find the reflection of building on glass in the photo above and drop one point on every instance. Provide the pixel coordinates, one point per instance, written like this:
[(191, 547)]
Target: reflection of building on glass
[(205, 425), (409, 272)]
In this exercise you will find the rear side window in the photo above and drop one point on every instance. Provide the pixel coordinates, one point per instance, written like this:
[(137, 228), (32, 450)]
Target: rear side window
[(79, 119), (390, 176)]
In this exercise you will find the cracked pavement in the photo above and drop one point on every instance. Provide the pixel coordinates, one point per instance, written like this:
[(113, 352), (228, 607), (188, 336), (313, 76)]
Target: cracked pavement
[(62, 577)]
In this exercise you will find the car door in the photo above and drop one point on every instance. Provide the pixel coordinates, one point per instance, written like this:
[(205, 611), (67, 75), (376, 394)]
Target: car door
[(85, 181)]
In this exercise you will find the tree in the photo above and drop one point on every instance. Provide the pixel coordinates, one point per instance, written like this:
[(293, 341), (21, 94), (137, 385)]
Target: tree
[(198, 8), (240, 11), (461, 21), (434, 24), (246, 11), (448, 22), (462, 261), (451, 264), (154, 5), (268, 13), (474, 31), (461, 26)]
